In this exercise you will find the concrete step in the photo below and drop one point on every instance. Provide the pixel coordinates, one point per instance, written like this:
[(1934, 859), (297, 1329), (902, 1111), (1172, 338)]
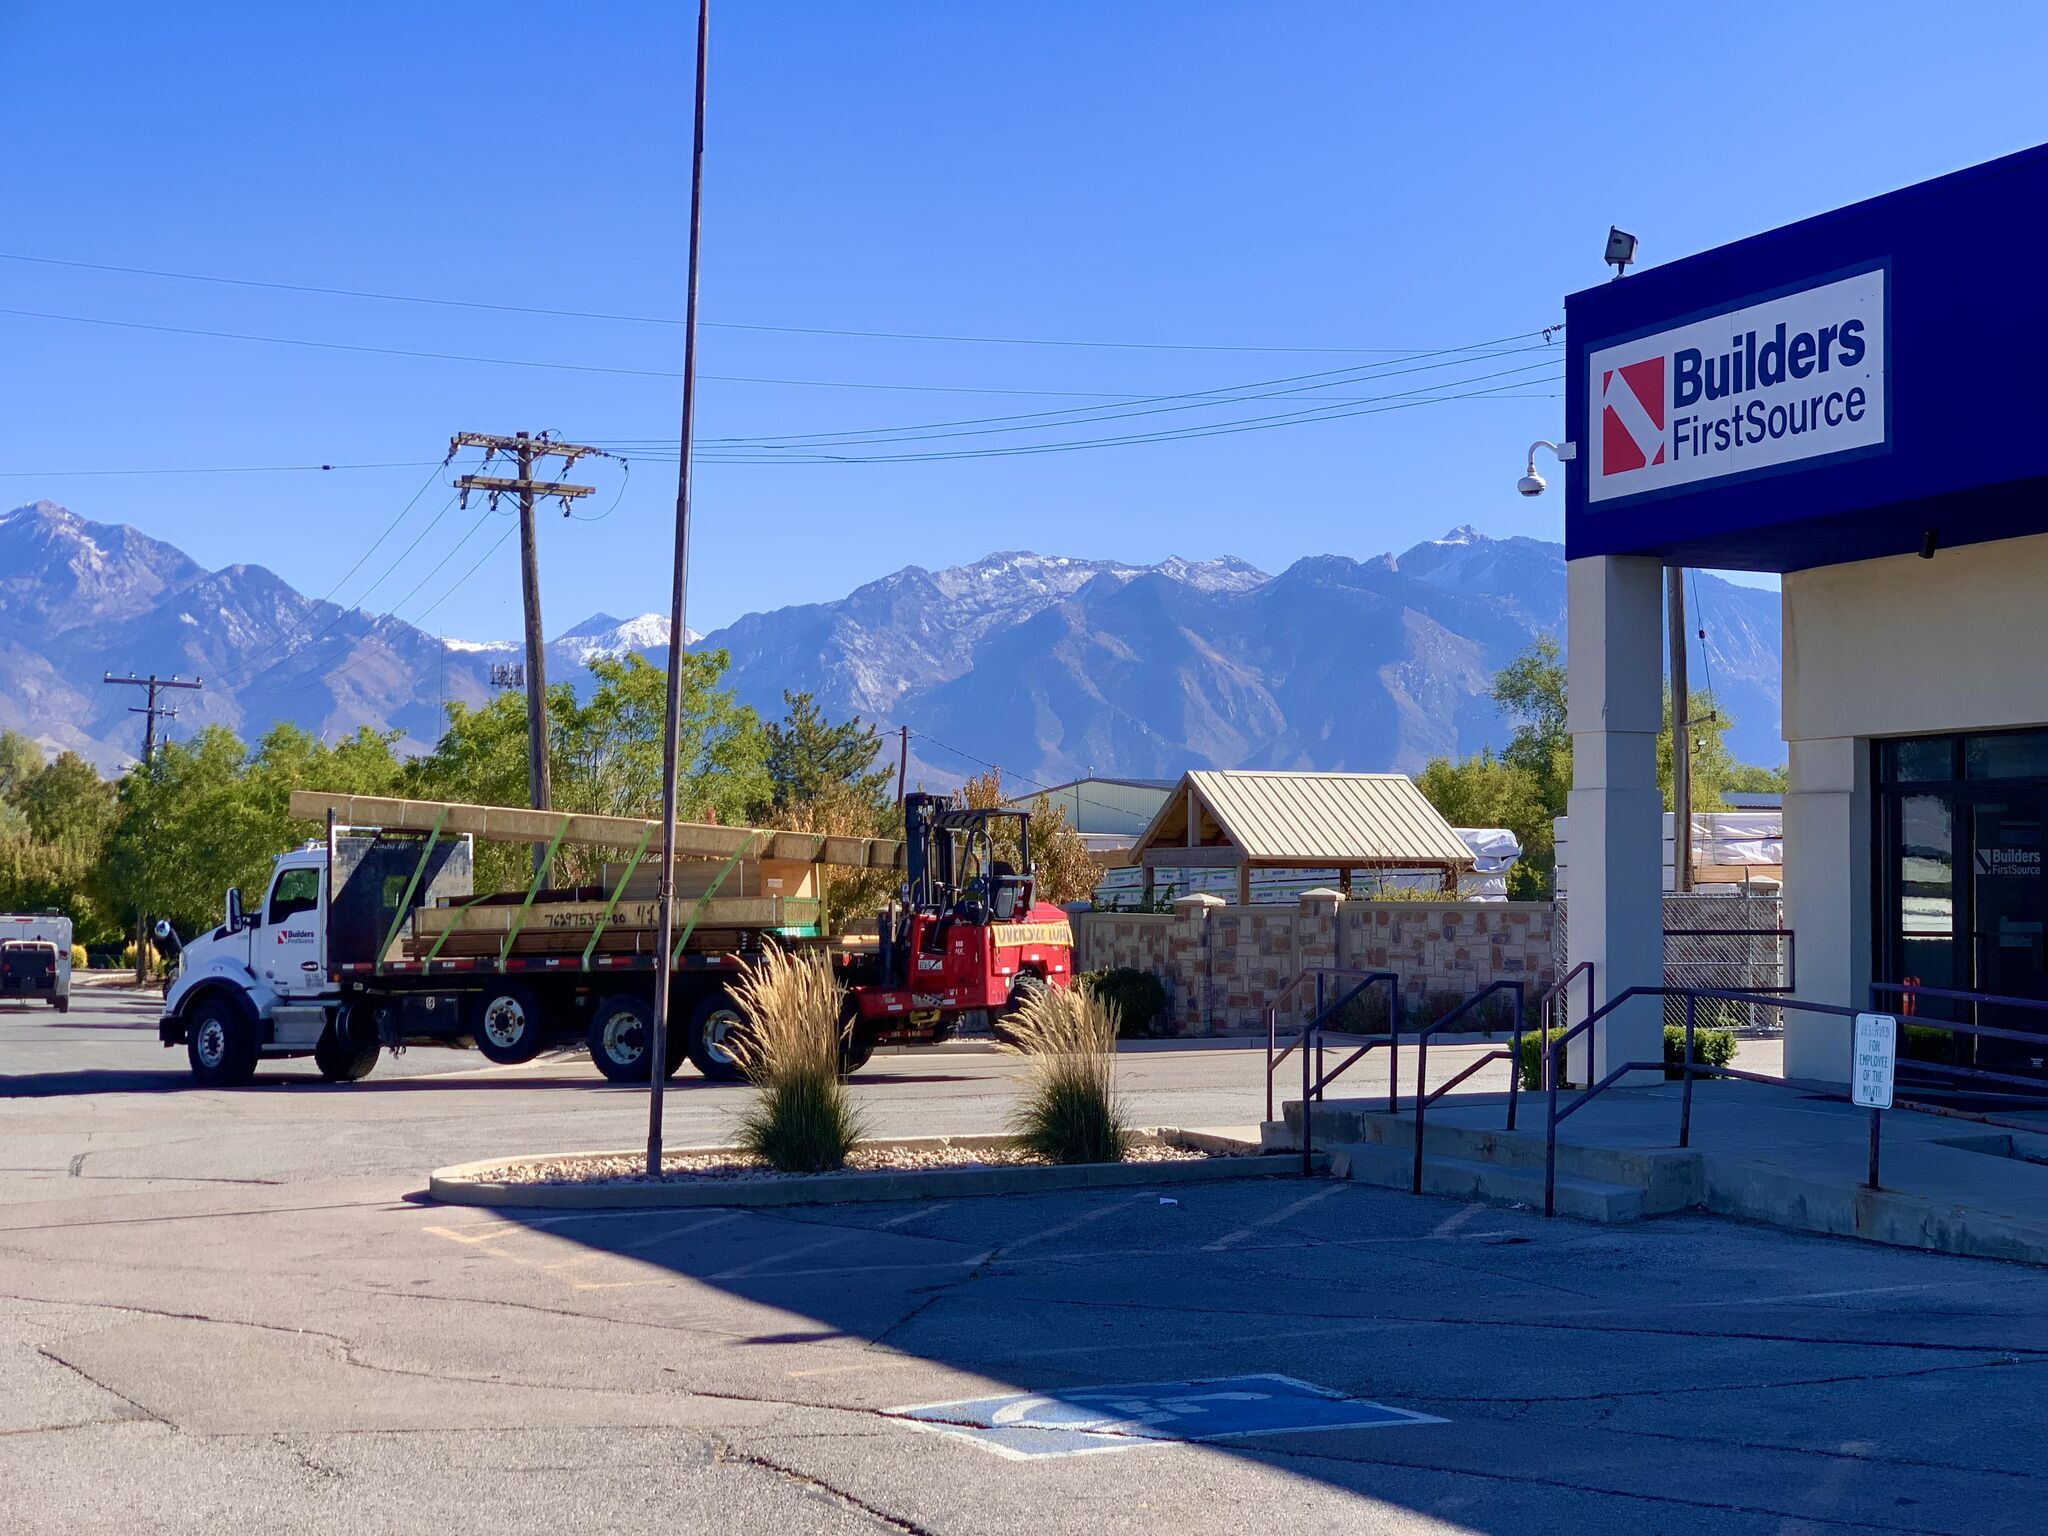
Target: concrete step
[(1670, 1179), (1472, 1179)]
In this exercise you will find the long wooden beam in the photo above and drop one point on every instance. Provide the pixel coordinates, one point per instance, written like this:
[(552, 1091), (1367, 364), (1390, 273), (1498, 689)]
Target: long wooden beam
[(513, 824)]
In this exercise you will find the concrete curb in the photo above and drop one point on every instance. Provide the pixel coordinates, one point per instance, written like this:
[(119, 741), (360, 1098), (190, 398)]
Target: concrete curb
[(459, 1184)]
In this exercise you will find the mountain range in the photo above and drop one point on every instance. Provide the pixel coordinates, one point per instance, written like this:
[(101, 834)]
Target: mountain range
[(1051, 666)]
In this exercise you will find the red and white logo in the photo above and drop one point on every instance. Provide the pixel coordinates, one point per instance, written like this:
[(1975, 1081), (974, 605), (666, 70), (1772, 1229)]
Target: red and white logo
[(1632, 416)]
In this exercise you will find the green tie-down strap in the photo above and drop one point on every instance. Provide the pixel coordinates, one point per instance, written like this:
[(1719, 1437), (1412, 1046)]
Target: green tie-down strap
[(405, 902), (617, 891), (540, 875), (705, 900)]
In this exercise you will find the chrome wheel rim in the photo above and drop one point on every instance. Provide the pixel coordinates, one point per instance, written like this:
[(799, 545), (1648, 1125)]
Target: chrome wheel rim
[(505, 1022), (625, 1039), (718, 1029), (211, 1043)]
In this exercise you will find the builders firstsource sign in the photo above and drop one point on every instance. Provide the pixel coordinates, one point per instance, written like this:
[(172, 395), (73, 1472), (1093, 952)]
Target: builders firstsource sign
[(1795, 377)]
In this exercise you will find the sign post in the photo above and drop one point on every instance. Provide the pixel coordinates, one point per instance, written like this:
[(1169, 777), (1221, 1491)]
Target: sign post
[(1875, 1069)]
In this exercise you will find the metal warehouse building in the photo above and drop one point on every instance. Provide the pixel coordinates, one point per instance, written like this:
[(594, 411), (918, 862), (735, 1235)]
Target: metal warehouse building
[(1855, 402)]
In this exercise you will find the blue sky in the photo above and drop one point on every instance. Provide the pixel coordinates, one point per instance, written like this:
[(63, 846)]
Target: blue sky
[(1190, 175)]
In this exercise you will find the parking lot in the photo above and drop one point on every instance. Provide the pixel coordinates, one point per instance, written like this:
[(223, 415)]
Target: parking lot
[(235, 1311)]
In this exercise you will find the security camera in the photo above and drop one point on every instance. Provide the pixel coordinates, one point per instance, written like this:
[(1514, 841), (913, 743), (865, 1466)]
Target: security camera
[(1533, 484)]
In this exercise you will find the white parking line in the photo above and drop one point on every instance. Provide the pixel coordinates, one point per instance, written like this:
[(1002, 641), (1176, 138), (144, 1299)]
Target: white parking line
[(1232, 1239), (1081, 1220), (909, 1217), (1457, 1219), (757, 1265)]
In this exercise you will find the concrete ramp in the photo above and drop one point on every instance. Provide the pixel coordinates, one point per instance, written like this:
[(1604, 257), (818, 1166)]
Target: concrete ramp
[(1948, 1184)]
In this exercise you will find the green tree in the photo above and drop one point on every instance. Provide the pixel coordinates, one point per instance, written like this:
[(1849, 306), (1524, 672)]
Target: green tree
[(190, 826), (1058, 853), (807, 756), (69, 803), (20, 761), (1488, 791)]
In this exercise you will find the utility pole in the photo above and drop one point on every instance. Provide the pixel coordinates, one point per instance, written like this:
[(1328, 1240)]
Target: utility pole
[(1681, 732), (525, 449), (150, 711), (902, 764), (664, 955)]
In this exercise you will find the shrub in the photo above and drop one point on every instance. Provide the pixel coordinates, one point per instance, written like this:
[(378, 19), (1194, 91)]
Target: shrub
[(1923, 1042), (1138, 997), (78, 960), (1069, 1112), (1710, 1048), (801, 1119)]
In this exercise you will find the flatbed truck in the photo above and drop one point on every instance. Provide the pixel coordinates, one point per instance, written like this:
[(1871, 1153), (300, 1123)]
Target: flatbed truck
[(372, 939)]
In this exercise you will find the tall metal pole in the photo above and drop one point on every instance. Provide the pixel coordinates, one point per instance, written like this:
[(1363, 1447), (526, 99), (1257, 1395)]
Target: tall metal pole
[(664, 956), (1681, 732), (902, 764)]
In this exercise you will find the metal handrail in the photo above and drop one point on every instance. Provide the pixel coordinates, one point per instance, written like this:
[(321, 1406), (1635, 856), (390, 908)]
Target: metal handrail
[(1319, 972), (1690, 1068), (1424, 1099), (1313, 1084), (1562, 988)]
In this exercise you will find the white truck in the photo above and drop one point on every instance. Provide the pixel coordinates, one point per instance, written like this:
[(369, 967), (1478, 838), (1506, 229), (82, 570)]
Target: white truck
[(35, 958)]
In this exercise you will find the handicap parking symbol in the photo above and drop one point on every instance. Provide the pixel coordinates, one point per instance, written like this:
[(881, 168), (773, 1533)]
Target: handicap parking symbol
[(1081, 1421)]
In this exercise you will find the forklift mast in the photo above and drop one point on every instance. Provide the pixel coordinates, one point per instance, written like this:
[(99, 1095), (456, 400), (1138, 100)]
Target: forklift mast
[(938, 838)]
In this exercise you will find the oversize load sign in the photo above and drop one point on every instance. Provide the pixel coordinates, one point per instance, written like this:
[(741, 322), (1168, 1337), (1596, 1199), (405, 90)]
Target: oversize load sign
[(1800, 376)]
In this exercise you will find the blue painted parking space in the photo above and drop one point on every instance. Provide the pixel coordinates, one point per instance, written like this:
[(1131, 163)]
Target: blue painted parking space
[(1082, 1421)]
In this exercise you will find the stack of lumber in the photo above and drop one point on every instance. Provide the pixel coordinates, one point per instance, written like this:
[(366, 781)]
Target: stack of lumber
[(508, 824)]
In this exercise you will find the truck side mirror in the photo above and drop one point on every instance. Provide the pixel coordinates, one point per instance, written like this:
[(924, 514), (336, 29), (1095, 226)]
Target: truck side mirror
[(234, 909)]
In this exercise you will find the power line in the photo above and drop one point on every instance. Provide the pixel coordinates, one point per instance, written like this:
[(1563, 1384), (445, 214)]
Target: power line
[(534, 362), (228, 469), (237, 679), (1350, 374), (1401, 400), (632, 319)]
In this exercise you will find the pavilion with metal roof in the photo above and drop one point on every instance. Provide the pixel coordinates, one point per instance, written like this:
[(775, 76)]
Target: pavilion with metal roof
[(1246, 820)]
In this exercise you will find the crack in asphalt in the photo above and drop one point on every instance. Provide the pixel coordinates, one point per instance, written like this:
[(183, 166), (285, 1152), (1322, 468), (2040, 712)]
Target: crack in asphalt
[(726, 1452), (141, 1412), (1733, 1386)]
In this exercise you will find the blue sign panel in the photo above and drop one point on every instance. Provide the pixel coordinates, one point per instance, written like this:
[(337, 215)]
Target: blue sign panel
[(1841, 388), (1080, 1421)]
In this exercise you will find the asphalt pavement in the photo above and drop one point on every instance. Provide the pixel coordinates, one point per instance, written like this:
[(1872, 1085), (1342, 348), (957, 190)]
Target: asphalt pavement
[(234, 1311)]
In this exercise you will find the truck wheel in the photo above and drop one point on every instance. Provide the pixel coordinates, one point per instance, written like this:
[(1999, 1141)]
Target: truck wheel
[(220, 1042), (61, 1004), (856, 1039), (505, 1022), (1028, 985), (340, 1057), (714, 1022), (620, 1033)]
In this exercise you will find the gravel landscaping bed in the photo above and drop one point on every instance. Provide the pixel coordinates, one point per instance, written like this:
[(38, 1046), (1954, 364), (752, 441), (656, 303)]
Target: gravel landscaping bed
[(699, 1167)]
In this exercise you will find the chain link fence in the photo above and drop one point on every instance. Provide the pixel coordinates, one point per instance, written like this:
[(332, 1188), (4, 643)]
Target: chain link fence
[(1738, 943)]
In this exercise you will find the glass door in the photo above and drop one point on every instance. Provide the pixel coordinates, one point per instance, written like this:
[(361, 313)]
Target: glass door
[(2007, 912)]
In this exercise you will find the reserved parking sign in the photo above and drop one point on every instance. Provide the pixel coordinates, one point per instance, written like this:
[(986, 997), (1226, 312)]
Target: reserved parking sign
[(1877, 1060)]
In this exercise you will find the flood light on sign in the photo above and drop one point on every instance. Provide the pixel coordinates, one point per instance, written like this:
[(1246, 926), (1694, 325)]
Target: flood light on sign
[(1621, 249)]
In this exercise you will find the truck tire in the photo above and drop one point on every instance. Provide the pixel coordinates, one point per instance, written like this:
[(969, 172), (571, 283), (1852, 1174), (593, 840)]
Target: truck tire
[(505, 1021), (856, 1039), (342, 1058), (620, 1032), (220, 1042), (1028, 986), (61, 1004), (714, 1020)]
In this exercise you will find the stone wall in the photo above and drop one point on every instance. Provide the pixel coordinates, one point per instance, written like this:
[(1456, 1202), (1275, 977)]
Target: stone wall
[(1222, 966)]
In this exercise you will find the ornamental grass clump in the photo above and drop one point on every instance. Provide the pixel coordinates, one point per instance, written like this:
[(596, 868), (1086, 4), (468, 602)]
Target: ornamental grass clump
[(801, 1119), (1069, 1112)]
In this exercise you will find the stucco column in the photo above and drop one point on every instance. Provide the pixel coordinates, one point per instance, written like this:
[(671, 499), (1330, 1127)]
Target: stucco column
[(1616, 705), (1827, 898)]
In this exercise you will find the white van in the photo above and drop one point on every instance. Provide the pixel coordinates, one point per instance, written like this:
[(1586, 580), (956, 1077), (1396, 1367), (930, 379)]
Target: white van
[(35, 958)]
